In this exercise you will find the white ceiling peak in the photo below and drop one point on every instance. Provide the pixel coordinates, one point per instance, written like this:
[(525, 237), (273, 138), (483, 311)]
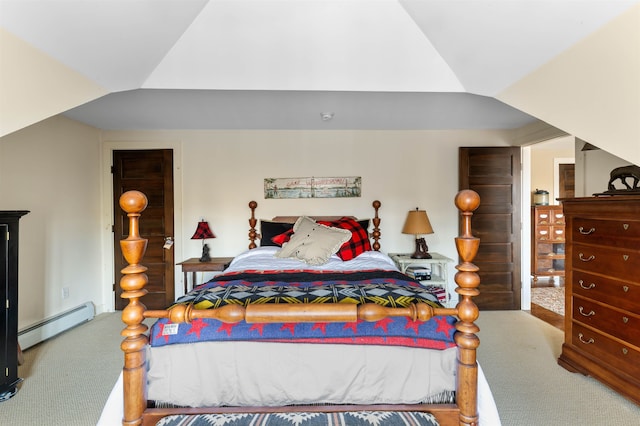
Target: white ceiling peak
[(310, 45)]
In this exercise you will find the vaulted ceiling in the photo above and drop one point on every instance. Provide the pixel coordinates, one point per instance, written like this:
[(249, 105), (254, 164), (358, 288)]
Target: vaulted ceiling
[(278, 64)]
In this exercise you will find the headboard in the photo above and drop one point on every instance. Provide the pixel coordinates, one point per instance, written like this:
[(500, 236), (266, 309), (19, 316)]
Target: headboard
[(254, 235)]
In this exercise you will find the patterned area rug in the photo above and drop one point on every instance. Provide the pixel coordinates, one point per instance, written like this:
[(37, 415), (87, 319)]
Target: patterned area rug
[(350, 418), (551, 298)]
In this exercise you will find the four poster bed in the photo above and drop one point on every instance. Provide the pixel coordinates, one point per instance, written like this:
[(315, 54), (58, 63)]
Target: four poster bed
[(315, 326)]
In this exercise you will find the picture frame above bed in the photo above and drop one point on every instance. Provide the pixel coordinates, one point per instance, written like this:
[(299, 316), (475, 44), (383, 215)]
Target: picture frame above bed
[(313, 187)]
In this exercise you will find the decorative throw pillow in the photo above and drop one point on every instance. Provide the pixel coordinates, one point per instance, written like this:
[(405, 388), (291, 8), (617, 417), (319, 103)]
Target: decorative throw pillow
[(280, 239), (359, 242), (313, 242), (269, 230)]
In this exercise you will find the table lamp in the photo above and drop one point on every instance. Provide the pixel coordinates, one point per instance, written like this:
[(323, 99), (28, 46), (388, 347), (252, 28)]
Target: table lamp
[(203, 232), (417, 223)]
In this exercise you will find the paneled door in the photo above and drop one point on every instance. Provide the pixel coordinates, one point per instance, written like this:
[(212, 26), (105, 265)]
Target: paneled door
[(566, 180), (494, 173), (151, 172)]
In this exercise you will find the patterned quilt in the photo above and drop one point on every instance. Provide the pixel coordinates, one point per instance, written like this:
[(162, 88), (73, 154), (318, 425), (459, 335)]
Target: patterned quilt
[(387, 288)]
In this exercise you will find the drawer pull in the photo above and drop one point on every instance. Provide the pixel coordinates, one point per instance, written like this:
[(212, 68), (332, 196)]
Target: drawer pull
[(625, 351), (586, 259), (589, 287), (625, 288), (625, 320), (583, 232), (586, 342), (581, 309)]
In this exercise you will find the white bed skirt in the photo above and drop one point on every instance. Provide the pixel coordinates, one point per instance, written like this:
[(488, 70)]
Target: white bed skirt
[(408, 368), (277, 374)]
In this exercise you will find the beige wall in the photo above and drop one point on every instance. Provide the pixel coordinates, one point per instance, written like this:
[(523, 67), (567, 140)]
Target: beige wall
[(592, 90), (52, 170), (544, 159), (56, 169), (223, 170), (34, 86), (59, 170)]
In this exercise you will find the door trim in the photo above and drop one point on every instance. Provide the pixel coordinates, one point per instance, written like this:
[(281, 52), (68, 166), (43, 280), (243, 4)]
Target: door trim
[(108, 300), (525, 229)]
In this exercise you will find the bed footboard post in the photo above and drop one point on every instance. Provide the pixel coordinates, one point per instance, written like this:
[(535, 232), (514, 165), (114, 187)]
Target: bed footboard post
[(467, 201), (132, 283)]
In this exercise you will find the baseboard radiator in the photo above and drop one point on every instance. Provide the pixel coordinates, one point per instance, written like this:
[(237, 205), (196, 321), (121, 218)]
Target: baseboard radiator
[(56, 324)]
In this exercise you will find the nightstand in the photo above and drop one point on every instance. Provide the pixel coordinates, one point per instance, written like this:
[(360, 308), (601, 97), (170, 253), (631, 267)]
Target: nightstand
[(439, 272), (194, 265)]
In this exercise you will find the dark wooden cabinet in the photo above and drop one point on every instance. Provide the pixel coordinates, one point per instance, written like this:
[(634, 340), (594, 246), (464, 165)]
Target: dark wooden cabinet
[(602, 303), (9, 302), (547, 242)]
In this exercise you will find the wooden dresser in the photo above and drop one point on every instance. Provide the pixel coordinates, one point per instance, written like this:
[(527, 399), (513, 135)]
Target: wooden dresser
[(602, 323), (547, 242)]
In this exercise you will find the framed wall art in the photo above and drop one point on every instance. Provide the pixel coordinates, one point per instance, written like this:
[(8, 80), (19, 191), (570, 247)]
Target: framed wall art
[(313, 187)]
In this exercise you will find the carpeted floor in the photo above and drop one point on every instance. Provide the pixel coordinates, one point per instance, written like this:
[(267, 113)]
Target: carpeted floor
[(551, 298), (68, 378)]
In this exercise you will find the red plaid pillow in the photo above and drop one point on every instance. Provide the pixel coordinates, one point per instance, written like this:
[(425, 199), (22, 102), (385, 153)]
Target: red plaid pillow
[(280, 239), (359, 242)]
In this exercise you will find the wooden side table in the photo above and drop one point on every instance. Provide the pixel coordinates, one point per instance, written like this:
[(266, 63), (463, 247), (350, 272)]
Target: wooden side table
[(439, 274), (194, 265)]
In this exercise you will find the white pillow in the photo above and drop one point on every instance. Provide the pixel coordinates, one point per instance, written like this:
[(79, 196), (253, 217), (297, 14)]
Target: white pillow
[(312, 242)]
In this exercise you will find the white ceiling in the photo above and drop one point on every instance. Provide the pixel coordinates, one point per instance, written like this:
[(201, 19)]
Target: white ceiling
[(277, 64)]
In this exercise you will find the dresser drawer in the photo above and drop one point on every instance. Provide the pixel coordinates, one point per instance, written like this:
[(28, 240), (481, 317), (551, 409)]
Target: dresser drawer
[(620, 356), (551, 215), (619, 263), (621, 324), (606, 232), (550, 233), (557, 217), (616, 293)]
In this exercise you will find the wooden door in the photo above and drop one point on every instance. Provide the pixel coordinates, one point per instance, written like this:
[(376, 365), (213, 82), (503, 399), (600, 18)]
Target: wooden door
[(151, 172), (566, 180), (494, 173)]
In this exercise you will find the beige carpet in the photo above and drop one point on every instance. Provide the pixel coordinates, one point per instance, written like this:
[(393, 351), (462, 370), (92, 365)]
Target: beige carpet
[(518, 353), (551, 298), (68, 379)]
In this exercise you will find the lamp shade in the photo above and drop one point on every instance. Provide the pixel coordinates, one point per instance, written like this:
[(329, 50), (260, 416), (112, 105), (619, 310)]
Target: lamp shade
[(417, 223), (203, 231)]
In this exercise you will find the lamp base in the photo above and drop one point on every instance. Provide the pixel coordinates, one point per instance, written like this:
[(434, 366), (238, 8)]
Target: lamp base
[(205, 254), (422, 251)]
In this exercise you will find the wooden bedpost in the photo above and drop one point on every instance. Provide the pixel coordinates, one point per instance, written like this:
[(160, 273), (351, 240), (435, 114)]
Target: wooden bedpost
[(253, 234), (376, 226), (132, 283), (468, 280)]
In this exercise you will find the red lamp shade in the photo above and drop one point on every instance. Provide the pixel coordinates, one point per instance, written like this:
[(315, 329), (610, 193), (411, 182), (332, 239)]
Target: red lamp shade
[(203, 232)]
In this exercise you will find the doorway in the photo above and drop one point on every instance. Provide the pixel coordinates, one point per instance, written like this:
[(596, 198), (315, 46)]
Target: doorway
[(552, 167), (151, 172)]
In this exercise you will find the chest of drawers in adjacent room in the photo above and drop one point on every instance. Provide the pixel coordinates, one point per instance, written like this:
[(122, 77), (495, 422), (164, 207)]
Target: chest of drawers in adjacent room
[(547, 242), (602, 326)]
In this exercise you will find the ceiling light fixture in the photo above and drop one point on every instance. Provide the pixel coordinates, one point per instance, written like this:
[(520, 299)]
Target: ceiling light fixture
[(326, 116)]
